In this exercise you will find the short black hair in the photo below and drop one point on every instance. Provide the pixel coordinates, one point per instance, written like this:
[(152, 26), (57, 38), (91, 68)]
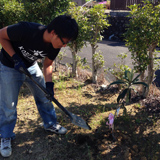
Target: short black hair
[(64, 26)]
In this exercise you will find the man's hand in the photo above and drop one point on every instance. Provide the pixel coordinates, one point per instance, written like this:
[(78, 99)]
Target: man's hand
[(50, 88), (19, 64)]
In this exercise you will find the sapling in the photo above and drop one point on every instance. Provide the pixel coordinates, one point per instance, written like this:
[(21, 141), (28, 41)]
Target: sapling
[(128, 82)]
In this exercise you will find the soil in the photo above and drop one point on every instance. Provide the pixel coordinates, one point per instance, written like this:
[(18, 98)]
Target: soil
[(136, 136)]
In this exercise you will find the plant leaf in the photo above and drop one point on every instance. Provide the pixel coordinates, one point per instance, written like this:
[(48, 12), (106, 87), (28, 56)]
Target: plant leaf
[(143, 83), (136, 78), (131, 75), (126, 75), (124, 111), (122, 95), (129, 94), (117, 82)]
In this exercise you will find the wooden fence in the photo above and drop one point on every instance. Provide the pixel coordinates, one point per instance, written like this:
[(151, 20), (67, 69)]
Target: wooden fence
[(123, 4)]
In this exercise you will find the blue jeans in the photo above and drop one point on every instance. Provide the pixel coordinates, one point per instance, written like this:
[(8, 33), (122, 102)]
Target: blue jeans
[(10, 82)]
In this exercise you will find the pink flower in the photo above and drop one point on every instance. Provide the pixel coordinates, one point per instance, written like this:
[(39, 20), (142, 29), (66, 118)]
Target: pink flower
[(111, 120)]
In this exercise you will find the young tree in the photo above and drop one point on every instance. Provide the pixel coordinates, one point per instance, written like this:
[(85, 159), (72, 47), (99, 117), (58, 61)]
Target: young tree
[(79, 14), (142, 37), (96, 24)]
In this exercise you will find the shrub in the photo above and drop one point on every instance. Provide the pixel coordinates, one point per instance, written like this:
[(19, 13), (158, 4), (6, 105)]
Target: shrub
[(12, 9)]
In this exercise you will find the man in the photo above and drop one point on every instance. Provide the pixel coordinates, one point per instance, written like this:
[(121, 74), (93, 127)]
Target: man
[(22, 44)]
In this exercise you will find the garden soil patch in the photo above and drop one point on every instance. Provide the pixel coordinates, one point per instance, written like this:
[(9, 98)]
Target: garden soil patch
[(136, 136)]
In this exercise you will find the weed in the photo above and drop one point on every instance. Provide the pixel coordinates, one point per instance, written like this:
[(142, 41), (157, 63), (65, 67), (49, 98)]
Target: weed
[(61, 86), (138, 105)]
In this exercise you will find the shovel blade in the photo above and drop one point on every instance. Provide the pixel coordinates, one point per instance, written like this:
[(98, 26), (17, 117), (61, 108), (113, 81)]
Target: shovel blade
[(78, 121)]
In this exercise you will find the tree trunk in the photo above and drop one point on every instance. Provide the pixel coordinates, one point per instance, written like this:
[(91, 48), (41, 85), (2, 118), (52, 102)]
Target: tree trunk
[(150, 68), (74, 60), (142, 76), (74, 67), (142, 80), (94, 70)]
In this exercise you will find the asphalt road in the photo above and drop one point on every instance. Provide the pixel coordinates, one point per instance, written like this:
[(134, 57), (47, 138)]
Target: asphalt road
[(110, 50)]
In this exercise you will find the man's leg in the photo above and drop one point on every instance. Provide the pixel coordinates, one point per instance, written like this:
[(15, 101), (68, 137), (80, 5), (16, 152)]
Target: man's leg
[(10, 83), (45, 107)]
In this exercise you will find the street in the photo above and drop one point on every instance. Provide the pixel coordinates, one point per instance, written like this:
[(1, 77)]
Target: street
[(110, 50)]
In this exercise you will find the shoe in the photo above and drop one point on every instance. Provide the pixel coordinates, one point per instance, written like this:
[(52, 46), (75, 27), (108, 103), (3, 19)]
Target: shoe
[(5, 147), (57, 128)]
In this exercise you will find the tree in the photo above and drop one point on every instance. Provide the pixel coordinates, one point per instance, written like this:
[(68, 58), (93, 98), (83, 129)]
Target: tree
[(9, 14), (43, 11), (40, 11), (142, 37), (96, 24), (79, 14)]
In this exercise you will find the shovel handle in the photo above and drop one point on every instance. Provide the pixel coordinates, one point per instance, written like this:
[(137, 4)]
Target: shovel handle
[(46, 93), (62, 108), (74, 119)]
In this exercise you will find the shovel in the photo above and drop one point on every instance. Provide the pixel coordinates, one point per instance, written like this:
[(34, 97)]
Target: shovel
[(76, 120)]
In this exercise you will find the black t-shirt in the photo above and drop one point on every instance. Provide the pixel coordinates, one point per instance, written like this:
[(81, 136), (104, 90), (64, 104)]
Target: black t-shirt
[(27, 41)]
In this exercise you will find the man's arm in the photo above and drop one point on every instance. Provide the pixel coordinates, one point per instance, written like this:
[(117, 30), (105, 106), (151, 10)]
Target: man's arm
[(7, 46), (47, 69), (5, 42)]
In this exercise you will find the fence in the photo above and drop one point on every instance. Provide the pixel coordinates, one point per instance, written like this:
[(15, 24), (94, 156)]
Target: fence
[(123, 4)]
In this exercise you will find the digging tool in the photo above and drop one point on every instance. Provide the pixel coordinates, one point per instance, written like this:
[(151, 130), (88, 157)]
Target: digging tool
[(76, 120)]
